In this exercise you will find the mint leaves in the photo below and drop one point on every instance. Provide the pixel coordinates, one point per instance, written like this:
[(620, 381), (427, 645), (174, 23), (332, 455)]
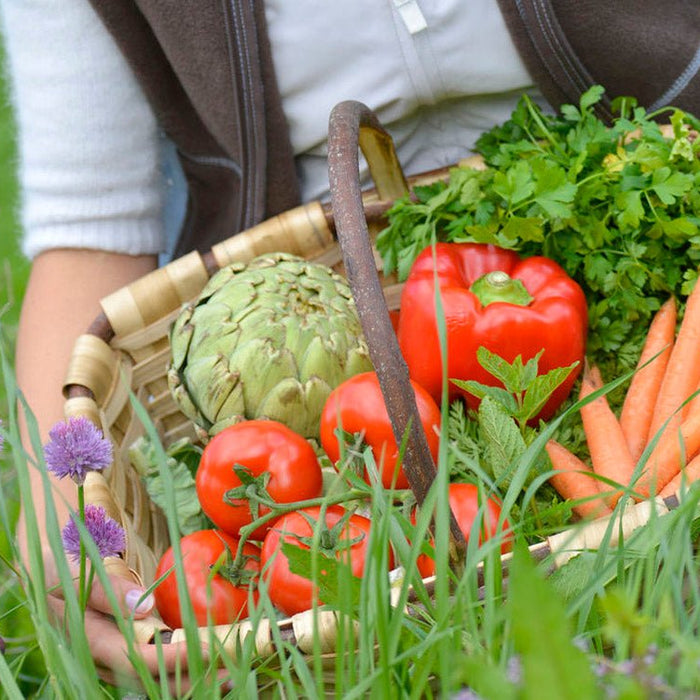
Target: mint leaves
[(506, 412), (524, 391)]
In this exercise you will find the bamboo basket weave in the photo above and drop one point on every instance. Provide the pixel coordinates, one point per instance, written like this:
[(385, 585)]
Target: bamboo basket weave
[(126, 349)]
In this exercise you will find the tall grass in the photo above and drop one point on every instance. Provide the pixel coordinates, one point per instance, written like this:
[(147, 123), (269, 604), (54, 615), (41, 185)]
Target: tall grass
[(15, 624), (14, 267), (619, 620)]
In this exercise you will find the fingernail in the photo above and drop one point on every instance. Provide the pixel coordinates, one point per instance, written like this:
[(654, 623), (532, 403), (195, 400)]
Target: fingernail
[(133, 597)]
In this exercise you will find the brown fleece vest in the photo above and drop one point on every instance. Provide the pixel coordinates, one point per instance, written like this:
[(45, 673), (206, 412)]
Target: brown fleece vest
[(649, 49), (206, 67)]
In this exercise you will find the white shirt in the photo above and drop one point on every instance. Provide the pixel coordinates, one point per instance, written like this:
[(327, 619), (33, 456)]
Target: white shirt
[(437, 72), (435, 89)]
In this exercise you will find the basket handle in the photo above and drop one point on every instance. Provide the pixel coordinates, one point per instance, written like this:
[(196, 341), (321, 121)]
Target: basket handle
[(352, 125)]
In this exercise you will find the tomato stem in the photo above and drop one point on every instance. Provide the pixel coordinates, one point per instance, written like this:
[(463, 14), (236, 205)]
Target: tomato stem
[(279, 509)]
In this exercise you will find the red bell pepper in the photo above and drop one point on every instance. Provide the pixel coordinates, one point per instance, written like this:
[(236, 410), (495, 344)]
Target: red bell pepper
[(490, 297)]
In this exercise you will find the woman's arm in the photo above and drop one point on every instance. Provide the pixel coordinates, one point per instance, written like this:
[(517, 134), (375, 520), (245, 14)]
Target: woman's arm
[(61, 300), (91, 181)]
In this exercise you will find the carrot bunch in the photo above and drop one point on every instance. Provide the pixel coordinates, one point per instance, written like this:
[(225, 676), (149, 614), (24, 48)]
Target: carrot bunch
[(659, 418)]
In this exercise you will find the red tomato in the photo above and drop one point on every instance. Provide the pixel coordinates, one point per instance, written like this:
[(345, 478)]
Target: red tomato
[(290, 592), (394, 318), (357, 406), (225, 600), (465, 503), (267, 449)]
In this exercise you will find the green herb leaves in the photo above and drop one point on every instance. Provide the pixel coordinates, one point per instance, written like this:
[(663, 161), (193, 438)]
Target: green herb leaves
[(618, 206), (505, 412), (524, 391), (181, 458)]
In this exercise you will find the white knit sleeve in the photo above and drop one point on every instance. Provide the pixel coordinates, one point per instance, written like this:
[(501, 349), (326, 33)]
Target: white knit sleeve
[(88, 141)]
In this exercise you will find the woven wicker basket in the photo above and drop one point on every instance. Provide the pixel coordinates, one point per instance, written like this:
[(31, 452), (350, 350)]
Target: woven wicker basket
[(127, 349)]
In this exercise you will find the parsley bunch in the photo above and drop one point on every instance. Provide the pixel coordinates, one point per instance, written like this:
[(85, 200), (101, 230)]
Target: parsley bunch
[(617, 205)]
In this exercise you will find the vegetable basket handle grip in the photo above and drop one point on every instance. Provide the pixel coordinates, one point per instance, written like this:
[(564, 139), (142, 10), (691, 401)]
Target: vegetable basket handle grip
[(354, 126)]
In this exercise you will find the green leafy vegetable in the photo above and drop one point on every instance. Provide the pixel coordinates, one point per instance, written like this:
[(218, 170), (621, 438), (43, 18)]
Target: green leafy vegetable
[(495, 440), (182, 461), (503, 442), (524, 391), (618, 206), (336, 584), (502, 428)]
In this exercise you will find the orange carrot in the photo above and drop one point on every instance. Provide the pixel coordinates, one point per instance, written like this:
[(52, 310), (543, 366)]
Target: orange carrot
[(591, 380), (610, 454), (671, 453), (694, 403), (573, 479), (638, 406), (683, 370), (686, 476)]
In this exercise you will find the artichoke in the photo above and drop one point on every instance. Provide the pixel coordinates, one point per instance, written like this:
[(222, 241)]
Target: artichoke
[(268, 339)]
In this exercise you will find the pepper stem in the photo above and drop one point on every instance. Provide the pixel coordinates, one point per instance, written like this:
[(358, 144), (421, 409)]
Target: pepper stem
[(500, 286)]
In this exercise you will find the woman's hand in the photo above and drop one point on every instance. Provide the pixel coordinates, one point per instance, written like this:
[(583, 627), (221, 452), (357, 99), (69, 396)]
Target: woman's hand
[(108, 646)]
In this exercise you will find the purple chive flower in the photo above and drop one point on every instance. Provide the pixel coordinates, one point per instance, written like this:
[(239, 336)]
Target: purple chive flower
[(106, 533), (514, 670), (75, 448), (466, 694)]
